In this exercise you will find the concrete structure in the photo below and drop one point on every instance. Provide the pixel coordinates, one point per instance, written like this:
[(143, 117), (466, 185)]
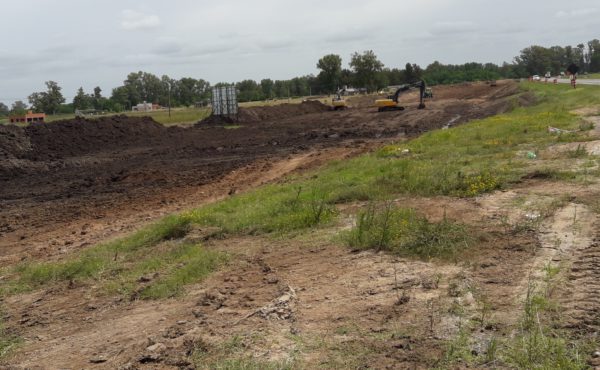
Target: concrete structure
[(28, 117), (224, 101)]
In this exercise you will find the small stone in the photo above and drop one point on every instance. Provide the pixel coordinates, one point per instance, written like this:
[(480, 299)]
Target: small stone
[(272, 280), (158, 347), (98, 359), (596, 354), (285, 298), (181, 322)]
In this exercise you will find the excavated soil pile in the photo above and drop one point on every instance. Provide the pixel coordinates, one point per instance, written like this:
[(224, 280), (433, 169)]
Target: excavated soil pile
[(81, 136), (14, 142), (267, 113)]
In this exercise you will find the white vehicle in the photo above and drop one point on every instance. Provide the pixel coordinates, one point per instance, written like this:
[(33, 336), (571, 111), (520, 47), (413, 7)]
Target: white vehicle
[(536, 78)]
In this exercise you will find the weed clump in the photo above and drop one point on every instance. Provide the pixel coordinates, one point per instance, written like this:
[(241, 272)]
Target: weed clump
[(537, 345), (8, 341), (403, 231), (478, 184)]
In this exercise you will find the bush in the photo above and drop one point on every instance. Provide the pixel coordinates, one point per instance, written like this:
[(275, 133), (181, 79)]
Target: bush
[(404, 232)]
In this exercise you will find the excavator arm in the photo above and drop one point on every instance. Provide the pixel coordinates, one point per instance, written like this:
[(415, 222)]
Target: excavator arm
[(391, 103)]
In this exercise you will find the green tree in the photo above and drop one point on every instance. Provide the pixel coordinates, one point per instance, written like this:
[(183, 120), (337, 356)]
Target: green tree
[(48, 101), (366, 66), (202, 91), (409, 73), (580, 55), (331, 72), (535, 59), (594, 58), (395, 76), (248, 90), (412, 73), (18, 107), (98, 101), (266, 86), (347, 78), (186, 91), (82, 100), (3, 109), (281, 89), (120, 99)]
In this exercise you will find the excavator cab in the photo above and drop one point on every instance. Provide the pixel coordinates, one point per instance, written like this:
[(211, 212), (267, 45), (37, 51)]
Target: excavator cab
[(428, 94), (338, 102), (391, 103)]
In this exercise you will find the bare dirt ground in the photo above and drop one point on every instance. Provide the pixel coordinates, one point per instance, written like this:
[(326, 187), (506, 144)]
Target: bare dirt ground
[(68, 184), (302, 298)]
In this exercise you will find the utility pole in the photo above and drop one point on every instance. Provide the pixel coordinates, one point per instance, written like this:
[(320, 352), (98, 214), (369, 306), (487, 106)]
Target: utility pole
[(169, 100)]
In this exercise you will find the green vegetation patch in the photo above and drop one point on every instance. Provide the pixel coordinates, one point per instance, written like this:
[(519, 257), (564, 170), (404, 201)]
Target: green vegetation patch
[(538, 345), (272, 208), (7, 342), (119, 264), (405, 232), (166, 272)]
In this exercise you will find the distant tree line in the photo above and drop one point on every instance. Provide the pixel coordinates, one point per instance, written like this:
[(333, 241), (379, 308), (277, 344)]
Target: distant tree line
[(364, 70)]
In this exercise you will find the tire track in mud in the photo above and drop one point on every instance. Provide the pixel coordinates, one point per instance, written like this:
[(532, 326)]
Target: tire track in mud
[(581, 300), (573, 239)]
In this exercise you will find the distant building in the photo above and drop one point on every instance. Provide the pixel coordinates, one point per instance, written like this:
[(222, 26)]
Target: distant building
[(28, 117), (143, 107)]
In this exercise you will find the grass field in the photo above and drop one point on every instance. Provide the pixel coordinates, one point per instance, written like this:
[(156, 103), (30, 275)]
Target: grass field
[(590, 76), (177, 116)]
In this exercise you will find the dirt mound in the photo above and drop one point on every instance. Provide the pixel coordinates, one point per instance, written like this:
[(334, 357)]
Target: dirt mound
[(269, 113), (82, 136), (13, 142)]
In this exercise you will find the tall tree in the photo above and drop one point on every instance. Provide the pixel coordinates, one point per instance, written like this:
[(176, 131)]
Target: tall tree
[(82, 100), (249, 90), (47, 101), (98, 101), (331, 72), (3, 109), (186, 94), (536, 59), (594, 59), (366, 66), (18, 107), (266, 85), (120, 99)]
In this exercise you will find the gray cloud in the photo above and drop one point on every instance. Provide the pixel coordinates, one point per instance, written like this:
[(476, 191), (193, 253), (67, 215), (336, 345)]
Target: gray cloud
[(132, 20), (452, 28), (93, 43), (576, 13)]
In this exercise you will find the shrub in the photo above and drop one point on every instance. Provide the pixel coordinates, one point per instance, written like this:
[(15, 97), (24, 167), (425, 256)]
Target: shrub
[(404, 232)]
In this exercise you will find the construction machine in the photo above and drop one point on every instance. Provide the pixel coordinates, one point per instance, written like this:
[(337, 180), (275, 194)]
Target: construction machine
[(338, 102), (391, 103)]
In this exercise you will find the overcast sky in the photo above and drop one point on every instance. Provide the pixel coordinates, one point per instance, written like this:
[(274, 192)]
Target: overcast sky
[(98, 42)]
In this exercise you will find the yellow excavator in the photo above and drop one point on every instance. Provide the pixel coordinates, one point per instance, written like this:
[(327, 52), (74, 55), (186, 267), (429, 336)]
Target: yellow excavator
[(391, 103), (338, 102)]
